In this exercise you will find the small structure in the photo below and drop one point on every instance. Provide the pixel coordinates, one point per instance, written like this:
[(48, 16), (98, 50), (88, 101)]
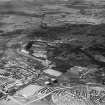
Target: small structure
[(53, 72), (24, 51)]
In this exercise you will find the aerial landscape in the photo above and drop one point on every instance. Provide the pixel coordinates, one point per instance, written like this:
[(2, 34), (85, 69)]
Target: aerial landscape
[(52, 52)]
